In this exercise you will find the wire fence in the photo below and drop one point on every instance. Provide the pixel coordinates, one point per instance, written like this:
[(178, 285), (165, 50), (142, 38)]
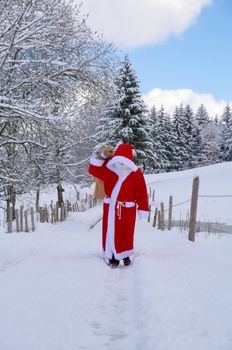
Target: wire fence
[(158, 214), (26, 219)]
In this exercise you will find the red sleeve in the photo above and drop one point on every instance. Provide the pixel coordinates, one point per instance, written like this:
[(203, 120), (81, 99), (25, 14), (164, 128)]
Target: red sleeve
[(142, 196), (97, 168)]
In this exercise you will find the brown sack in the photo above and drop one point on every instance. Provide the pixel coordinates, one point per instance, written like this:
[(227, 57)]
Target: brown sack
[(99, 192)]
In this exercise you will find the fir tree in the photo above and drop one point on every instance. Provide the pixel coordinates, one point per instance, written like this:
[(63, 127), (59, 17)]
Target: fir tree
[(153, 163), (126, 118), (160, 139), (227, 134), (196, 153), (211, 139), (202, 117), (189, 126), (201, 146), (170, 143), (164, 141), (179, 125), (227, 114)]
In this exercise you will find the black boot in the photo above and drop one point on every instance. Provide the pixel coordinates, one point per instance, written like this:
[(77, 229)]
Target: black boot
[(113, 262), (127, 261)]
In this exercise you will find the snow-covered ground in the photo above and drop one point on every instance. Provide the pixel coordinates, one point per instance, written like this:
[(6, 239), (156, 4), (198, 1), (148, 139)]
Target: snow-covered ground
[(56, 293), (215, 180)]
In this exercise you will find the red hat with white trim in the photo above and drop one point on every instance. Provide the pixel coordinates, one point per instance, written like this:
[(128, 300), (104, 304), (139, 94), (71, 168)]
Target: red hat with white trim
[(124, 155)]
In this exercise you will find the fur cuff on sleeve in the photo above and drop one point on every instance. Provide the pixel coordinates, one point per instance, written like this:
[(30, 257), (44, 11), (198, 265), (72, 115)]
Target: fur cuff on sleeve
[(143, 214), (96, 162)]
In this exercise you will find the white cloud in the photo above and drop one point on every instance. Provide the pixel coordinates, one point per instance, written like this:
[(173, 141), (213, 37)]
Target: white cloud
[(172, 98), (133, 23)]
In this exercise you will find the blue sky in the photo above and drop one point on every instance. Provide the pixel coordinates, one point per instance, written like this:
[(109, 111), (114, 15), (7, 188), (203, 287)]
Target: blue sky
[(180, 49), (199, 59)]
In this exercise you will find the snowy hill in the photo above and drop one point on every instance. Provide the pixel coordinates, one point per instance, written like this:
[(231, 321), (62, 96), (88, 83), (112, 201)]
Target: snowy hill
[(57, 293), (215, 180)]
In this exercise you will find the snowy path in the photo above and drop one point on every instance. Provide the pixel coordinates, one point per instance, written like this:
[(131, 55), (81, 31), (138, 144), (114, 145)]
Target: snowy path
[(57, 294)]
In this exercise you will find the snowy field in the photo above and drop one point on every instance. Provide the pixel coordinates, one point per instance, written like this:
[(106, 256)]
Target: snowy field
[(56, 293), (215, 180)]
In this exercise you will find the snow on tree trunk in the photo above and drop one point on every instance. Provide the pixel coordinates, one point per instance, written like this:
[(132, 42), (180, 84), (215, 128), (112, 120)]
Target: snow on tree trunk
[(48, 57)]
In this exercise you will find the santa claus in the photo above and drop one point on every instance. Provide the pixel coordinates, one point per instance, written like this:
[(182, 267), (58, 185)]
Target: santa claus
[(126, 192)]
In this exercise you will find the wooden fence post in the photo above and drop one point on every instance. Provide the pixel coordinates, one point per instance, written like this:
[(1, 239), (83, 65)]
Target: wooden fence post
[(10, 218), (26, 221), (57, 211), (159, 220), (193, 210), (155, 217), (21, 218), (153, 196), (170, 213), (62, 212), (68, 206), (54, 214), (32, 219), (162, 223), (17, 220), (46, 213), (41, 214), (149, 214), (65, 212)]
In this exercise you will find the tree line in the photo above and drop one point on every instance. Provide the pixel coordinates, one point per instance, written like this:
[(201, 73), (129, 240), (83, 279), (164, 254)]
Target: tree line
[(51, 67), (64, 91), (164, 142)]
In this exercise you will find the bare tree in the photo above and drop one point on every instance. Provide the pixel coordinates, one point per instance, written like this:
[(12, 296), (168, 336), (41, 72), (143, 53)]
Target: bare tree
[(49, 58)]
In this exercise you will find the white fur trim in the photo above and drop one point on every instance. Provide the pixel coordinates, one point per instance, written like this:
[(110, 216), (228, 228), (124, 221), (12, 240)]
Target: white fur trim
[(107, 200), (123, 255), (143, 214), (96, 162), (119, 256), (126, 161), (110, 244), (130, 204)]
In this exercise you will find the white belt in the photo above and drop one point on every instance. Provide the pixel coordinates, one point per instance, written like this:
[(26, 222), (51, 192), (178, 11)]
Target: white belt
[(120, 204)]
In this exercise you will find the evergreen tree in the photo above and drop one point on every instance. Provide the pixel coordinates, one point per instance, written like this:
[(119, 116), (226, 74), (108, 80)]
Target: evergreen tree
[(111, 122), (201, 122), (179, 125), (160, 139), (154, 164), (164, 141), (211, 139), (196, 153), (216, 119), (126, 118), (227, 114), (227, 134), (202, 117), (189, 126)]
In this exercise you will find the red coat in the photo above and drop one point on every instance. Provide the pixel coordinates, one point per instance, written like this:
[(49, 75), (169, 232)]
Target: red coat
[(125, 191)]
